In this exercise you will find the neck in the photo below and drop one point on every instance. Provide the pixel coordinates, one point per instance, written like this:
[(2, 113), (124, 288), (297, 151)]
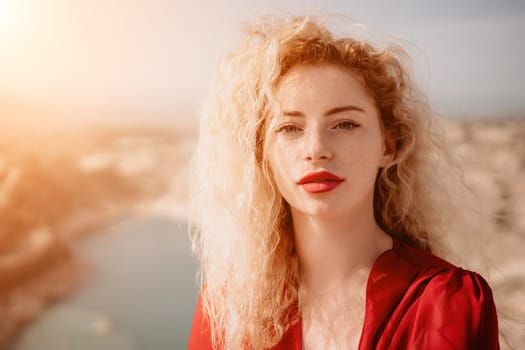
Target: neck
[(334, 250)]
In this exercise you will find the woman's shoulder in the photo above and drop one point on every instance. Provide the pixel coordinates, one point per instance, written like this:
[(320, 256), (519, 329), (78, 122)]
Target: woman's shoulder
[(433, 278), (439, 275), (410, 265), (433, 301)]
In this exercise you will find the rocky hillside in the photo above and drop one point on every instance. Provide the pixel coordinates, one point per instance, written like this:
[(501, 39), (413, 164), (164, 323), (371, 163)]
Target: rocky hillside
[(493, 155), (56, 187)]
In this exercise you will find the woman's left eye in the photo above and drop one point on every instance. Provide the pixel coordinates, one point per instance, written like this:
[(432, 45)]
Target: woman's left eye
[(346, 125), (288, 128)]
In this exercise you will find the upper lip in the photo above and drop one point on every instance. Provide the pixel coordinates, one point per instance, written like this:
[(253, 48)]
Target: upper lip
[(318, 176)]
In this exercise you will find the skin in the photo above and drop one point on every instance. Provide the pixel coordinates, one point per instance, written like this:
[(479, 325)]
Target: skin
[(330, 122)]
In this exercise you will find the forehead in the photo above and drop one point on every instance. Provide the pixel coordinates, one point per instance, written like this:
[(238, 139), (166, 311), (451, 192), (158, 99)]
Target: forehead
[(326, 84)]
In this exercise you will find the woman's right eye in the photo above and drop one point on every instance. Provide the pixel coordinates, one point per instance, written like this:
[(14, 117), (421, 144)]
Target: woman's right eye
[(288, 128)]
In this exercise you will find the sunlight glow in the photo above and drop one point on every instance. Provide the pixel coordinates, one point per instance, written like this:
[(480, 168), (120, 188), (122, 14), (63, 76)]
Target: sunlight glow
[(9, 18)]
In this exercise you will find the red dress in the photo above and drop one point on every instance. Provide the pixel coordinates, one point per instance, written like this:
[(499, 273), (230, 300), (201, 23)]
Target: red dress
[(414, 300)]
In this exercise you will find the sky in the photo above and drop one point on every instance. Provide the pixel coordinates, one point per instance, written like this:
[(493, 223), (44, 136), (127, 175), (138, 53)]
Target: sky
[(151, 61)]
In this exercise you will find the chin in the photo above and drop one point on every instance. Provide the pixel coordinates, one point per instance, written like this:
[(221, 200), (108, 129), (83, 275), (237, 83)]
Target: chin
[(321, 211)]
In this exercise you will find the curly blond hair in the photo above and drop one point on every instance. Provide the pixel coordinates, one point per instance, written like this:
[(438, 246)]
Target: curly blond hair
[(242, 225)]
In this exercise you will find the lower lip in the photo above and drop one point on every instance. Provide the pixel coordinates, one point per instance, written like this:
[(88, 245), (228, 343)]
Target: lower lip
[(320, 187)]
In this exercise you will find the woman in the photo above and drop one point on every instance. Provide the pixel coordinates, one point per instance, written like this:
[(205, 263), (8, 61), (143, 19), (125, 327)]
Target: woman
[(319, 202)]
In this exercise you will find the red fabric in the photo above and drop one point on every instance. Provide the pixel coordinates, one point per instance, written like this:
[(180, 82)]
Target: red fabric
[(414, 300)]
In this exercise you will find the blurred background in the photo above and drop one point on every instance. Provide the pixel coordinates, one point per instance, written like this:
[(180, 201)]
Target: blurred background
[(99, 109)]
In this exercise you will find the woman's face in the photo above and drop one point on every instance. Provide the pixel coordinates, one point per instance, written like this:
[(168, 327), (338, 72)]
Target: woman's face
[(326, 146)]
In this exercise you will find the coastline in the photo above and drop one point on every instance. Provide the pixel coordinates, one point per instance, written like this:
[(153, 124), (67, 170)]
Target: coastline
[(53, 196)]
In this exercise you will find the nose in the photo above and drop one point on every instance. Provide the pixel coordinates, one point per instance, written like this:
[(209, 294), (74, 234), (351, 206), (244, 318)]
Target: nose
[(317, 146)]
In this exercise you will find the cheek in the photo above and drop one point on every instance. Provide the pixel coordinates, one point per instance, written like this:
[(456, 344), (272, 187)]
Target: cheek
[(369, 146), (279, 154), (278, 165), (281, 164)]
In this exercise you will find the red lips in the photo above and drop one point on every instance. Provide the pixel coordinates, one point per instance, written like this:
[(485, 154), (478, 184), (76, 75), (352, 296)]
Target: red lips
[(320, 181)]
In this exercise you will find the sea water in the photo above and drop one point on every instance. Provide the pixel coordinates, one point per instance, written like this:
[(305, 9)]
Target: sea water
[(141, 292)]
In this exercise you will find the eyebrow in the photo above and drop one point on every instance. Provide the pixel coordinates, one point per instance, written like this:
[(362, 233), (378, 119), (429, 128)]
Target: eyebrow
[(331, 111)]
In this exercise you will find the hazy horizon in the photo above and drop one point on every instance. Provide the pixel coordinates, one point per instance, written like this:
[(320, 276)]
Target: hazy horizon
[(142, 62)]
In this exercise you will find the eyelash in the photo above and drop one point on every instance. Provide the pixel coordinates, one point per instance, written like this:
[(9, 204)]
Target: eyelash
[(342, 125), (349, 125), (287, 128)]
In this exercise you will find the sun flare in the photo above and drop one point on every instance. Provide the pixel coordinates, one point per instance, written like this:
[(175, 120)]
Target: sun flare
[(9, 18)]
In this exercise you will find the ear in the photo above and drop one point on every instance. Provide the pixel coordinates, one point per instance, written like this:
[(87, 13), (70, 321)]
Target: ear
[(389, 149)]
